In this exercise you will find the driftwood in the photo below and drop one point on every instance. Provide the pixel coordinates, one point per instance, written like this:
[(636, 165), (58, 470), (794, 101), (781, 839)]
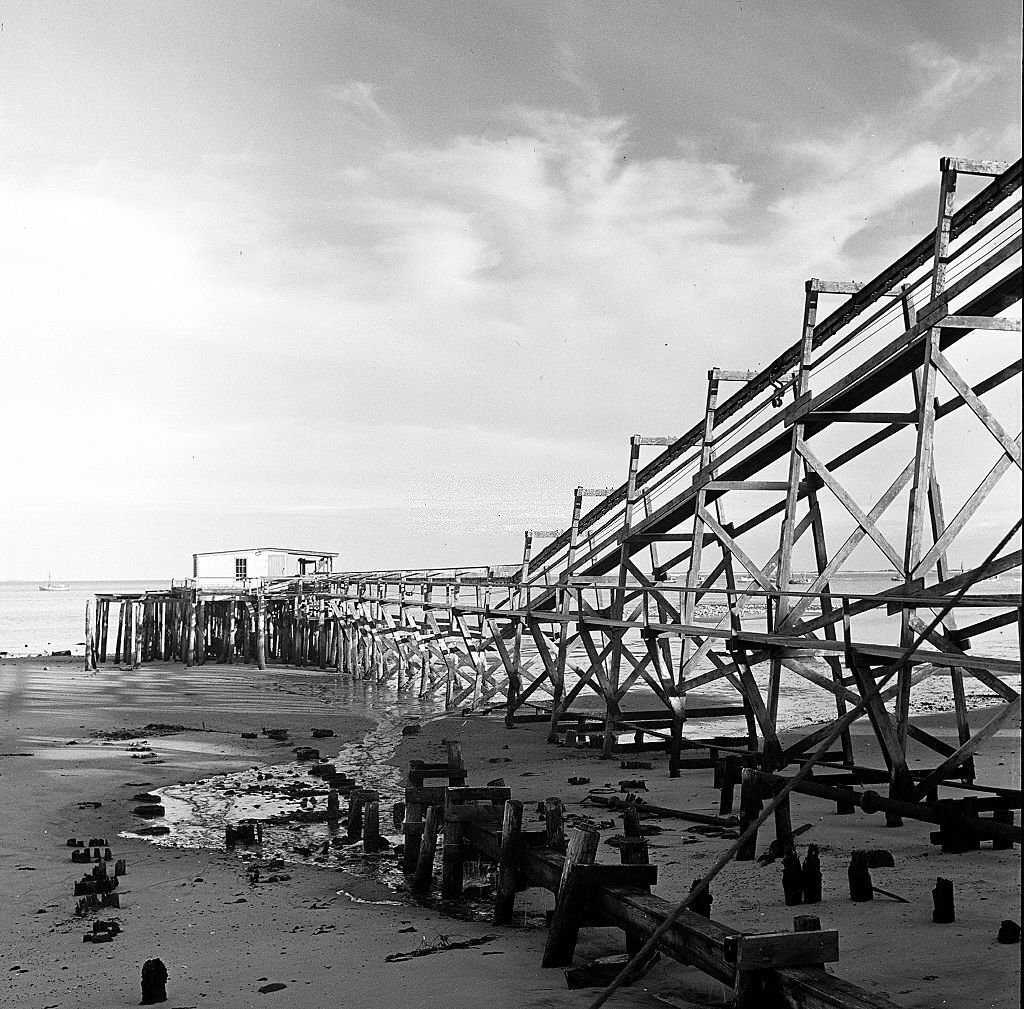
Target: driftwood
[(650, 809), (443, 945)]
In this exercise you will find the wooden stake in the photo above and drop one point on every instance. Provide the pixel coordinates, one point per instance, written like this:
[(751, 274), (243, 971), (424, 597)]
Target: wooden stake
[(451, 863), (861, 887), (553, 823), (565, 922), (944, 912), (750, 806), (356, 802), (413, 830), (425, 859), (730, 775), (371, 826), (633, 851), (261, 629), (508, 862)]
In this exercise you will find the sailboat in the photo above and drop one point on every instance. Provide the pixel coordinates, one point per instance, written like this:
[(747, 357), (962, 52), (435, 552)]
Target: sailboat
[(52, 586)]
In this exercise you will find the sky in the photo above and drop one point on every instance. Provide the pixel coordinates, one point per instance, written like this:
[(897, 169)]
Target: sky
[(391, 278)]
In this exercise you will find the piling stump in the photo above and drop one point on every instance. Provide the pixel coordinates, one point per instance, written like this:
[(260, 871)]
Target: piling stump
[(154, 982), (861, 887), (425, 859), (943, 912), (508, 862), (792, 878), (565, 922), (811, 876), (750, 807)]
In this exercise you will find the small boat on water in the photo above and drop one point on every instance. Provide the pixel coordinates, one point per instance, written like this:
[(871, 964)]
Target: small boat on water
[(52, 586)]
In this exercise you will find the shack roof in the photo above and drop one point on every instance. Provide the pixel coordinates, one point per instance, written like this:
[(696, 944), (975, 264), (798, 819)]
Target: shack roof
[(271, 550)]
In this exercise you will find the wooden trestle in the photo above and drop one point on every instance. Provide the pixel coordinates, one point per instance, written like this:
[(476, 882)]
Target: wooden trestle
[(716, 562)]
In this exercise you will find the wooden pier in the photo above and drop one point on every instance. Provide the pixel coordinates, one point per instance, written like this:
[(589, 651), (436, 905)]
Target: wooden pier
[(777, 970), (717, 564)]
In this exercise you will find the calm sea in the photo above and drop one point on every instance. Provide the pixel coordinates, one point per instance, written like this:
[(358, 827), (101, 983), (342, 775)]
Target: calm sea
[(34, 622)]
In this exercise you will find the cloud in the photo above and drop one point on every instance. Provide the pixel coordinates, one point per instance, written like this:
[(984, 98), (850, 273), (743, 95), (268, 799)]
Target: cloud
[(947, 78), (357, 103), (475, 322)]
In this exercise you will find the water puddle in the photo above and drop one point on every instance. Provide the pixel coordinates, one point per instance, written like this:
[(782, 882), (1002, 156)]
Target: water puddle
[(197, 813)]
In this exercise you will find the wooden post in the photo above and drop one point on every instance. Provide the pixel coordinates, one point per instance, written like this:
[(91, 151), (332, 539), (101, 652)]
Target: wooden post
[(412, 830), (137, 649), (565, 922), (553, 823), (103, 632), (356, 802), (844, 807), (508, 862), (811, 876), (633, 851), (425, 858), (88, 636), (701, 904), (783, 821), (189, 630), (232, 630), (261, 629), (675, 752), (730, 776), (631, 822), (371, 826), (456, 762), (120, 633), (1002, 816), (451, 864), (944, 912), (861, 887), (333, 806), (750, 806), (200, 652), (792, 878)]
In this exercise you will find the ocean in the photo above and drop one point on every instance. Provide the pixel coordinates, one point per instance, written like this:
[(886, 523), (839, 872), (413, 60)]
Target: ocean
[(39, 623)]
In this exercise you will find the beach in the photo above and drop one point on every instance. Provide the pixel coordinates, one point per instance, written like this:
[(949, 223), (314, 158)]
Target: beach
[(325, 934)]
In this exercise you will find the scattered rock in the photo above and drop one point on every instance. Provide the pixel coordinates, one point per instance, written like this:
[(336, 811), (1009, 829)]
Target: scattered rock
[(153, 830), (273, 986), (1009, 932), (149, 810)]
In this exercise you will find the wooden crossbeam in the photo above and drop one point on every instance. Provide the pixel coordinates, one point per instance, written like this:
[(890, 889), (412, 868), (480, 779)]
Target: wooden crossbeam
[(968, 749), (846, 500), (986, 322), (974, 166)]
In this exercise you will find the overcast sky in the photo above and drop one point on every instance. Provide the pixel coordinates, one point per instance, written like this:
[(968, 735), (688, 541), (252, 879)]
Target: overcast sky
[(391, 278)]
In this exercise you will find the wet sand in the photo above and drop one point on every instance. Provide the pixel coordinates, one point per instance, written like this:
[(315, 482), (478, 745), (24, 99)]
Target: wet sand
[(223, 939)]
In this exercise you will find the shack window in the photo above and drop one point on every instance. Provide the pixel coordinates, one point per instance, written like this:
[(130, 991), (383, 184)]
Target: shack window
[(241, 566)]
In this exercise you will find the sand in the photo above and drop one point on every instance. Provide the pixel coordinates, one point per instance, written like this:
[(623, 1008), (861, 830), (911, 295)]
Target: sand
[(223, 939)]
